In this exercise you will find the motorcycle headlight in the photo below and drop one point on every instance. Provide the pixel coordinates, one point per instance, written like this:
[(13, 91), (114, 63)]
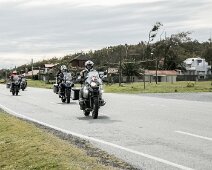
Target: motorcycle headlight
[(93, 84), (68, 83)]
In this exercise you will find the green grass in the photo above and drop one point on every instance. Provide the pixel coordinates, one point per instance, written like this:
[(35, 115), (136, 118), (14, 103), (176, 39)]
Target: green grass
[(24, 146), (42, 84), (38, 84), (161, 87), (138, 87)]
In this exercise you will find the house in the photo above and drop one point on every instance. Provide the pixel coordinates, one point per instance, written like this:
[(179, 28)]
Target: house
[(197, 66), (48, 67), (147, 75), (112, 75), (112, 70), (163, 75), (79, 61), (47, 73), (33, 73)]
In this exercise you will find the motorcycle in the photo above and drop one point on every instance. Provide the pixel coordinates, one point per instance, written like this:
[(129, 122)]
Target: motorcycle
[(15, 86), (91, 94), (65, 88), (23, 84)]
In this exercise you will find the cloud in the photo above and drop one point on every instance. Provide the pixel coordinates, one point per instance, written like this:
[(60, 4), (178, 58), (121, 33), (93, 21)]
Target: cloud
[(44, 27)]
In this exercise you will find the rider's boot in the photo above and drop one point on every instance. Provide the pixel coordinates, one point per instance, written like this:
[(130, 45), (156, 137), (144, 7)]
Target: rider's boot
[(81, 101), (102, 102)]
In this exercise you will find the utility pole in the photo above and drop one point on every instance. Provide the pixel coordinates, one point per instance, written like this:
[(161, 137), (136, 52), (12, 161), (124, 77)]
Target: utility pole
[(32, 67), (108, 66), (144, 81), (120, 70), (39, 74), (126, 50), (6, 76), (156, 79), (108, 62), (210, 47), (156, 67)]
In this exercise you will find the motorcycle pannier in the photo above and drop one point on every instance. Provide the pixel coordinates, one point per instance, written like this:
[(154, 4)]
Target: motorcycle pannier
[(75, 94), (55, 88), (8, 85)]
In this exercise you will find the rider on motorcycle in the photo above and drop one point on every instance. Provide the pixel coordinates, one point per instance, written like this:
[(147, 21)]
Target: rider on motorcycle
[(83, 75), (23, 81), (88, 67), (60, 78), (14, 77)]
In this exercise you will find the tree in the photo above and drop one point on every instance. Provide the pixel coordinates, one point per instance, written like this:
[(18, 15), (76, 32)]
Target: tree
[(152, 34), (173, 50), (207, 53), (130, 69)]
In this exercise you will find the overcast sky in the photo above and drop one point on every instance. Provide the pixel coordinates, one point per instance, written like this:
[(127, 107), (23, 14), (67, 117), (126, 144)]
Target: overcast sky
[(40, 29)]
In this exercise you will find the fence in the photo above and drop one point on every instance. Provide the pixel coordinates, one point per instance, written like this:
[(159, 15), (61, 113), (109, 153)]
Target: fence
[(193, 78)]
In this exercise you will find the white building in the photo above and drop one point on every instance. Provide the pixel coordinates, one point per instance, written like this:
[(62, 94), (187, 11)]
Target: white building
[(197, 66)]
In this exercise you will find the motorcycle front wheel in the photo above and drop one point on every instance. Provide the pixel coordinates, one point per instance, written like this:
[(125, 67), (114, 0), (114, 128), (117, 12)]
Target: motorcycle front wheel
[(95, 109), (63, 100), (86, 113), (68, 93)]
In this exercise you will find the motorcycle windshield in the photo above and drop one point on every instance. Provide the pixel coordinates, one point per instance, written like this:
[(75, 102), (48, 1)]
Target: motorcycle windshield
[(93, 76), (68, 77)]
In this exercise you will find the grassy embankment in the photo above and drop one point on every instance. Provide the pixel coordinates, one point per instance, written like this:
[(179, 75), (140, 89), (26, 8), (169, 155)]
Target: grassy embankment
[(24, 146), (161, 87), (38, 84)]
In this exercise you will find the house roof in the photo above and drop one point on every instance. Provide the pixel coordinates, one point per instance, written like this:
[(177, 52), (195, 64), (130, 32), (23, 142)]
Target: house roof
[(190, 60), (49, 65), (81, 57), (35, 72), (161, 72), (113, 70)]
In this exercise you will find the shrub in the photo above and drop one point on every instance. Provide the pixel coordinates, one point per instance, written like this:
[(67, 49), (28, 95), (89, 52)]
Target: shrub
[(190, 84), (2, 81)]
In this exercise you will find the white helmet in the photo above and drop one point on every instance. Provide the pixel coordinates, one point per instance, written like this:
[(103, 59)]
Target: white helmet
[(89, 64), (63, 68)]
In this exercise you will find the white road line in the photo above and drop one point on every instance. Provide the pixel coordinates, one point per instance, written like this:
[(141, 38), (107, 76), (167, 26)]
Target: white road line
[(198, 136), (98, 140)]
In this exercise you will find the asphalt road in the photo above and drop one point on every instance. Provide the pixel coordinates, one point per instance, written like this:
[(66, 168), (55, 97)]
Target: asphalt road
[(150, 131)]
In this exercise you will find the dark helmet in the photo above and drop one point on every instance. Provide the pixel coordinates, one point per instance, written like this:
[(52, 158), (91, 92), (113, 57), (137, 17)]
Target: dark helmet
[(89, 64)]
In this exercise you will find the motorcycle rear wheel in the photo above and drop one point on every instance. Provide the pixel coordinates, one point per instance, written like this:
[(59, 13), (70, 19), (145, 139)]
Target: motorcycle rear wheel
[(86, 113)]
